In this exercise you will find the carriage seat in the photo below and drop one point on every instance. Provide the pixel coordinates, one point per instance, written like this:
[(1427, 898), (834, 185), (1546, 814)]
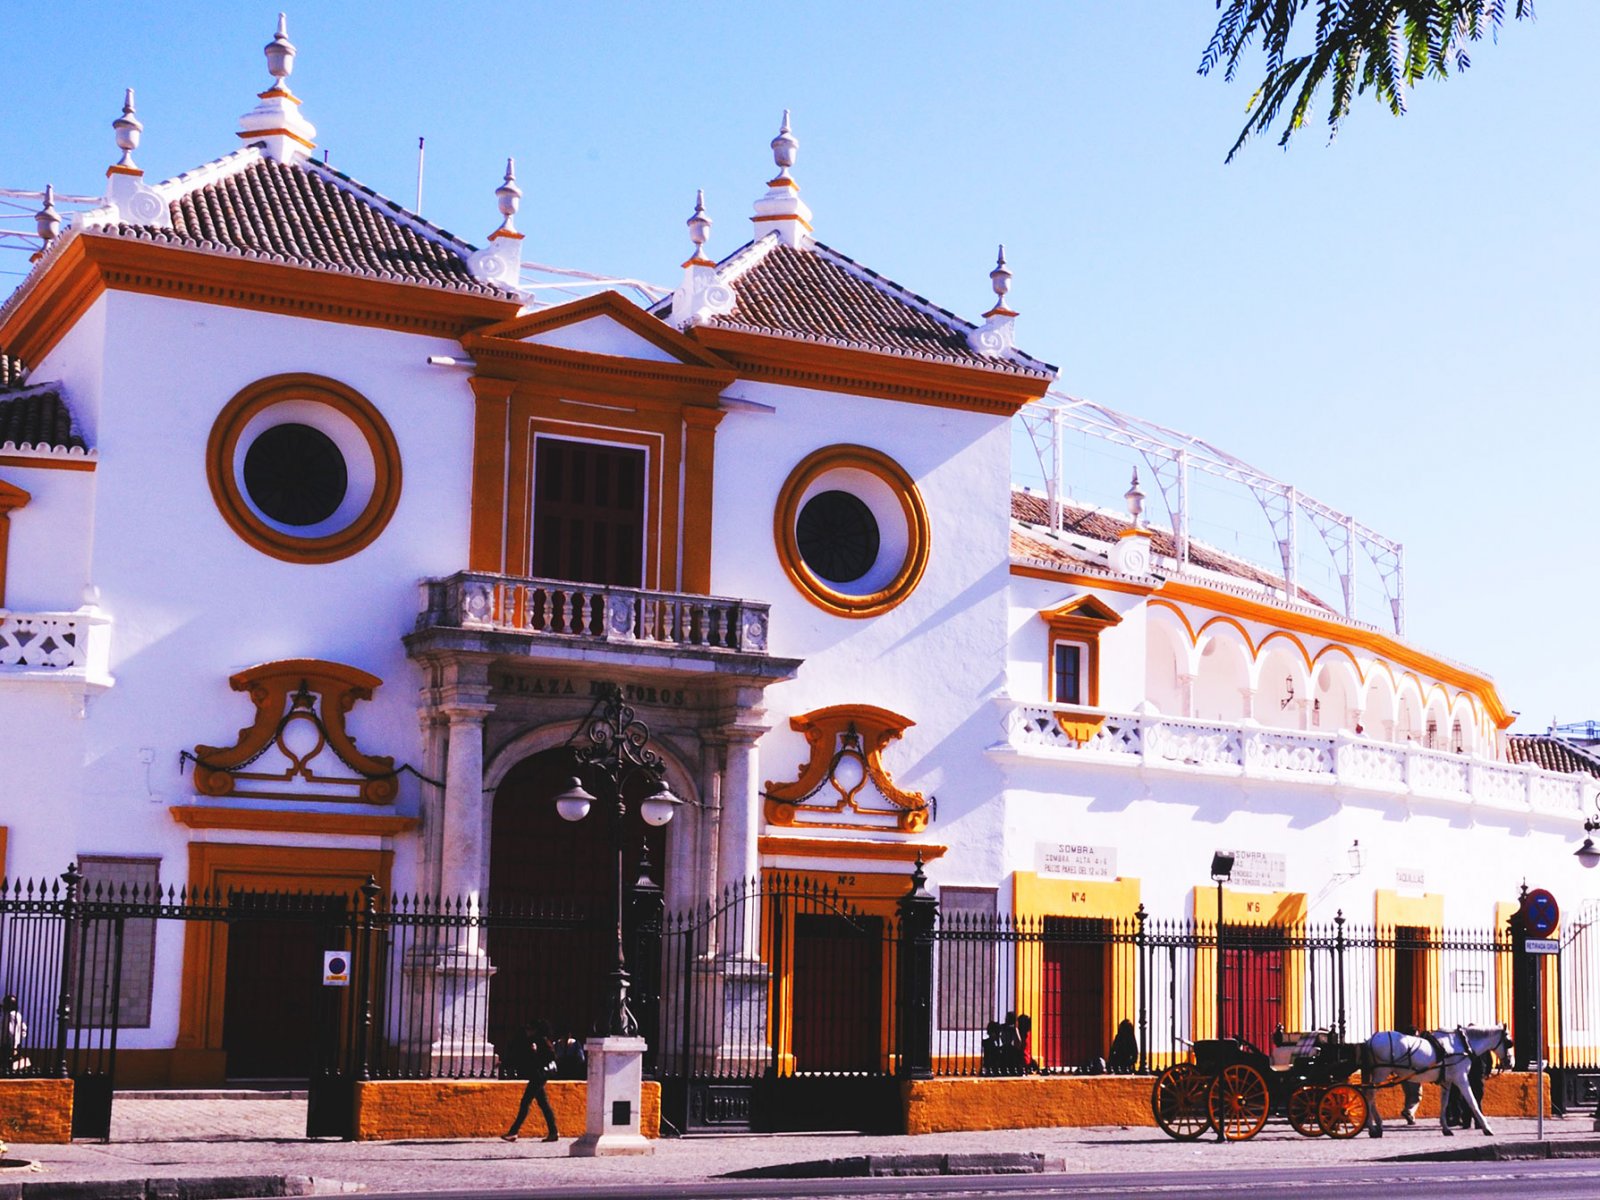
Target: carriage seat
[(1288, 1047)]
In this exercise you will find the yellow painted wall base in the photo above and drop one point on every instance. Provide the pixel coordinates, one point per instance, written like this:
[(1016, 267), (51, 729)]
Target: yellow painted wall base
[(1044, 1101), (1509, 1094), (444, 1108), (36, 1111), (1034, 1101)]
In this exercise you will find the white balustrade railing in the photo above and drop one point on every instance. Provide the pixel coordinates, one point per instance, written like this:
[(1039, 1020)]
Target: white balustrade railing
[(69, 643), (548, 608), (1179, 744)]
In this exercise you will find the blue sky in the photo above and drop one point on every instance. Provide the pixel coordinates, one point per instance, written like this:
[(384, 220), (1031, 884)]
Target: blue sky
[(1400, 323)]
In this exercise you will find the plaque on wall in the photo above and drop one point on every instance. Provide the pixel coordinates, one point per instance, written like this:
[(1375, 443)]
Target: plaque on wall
[(1410, 879), (1259, 869), (1075, 861)]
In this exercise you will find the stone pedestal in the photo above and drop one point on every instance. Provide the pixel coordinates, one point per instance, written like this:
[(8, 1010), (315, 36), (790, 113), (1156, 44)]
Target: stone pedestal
[(616, 1094), (447, 1007)]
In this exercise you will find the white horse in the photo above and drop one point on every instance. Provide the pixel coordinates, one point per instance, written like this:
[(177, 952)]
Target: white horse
[(1444, 1059)]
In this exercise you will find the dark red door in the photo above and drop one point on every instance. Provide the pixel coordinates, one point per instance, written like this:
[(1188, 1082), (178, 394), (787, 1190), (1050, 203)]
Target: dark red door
[(1253, 984), (1072, 1029), (837, 992)]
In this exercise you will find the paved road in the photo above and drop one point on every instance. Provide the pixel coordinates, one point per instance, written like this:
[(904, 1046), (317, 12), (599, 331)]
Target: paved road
[(197, 1137)]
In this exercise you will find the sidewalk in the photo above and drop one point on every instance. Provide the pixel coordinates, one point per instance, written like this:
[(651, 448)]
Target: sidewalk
[(211, 1136)]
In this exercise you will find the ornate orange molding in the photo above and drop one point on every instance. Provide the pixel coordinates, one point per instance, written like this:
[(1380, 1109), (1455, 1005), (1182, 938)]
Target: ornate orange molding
[(287, 693), (831, 847), (92, 264), (844, 731), (864, 373), (288, 820)]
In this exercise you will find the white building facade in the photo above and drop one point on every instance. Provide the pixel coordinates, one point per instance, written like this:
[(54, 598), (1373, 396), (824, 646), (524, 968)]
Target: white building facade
[(318, 543)]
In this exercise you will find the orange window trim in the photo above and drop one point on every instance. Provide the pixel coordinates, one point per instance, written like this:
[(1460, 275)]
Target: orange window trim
[(1079, 622), (786, 516), (11, 499), (223, 445)]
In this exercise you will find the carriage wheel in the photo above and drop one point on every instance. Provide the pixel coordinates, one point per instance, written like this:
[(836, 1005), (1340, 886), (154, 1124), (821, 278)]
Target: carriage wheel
[(1239, 1102), (1342, 1112), (1303, 1105), (1178, 1102)]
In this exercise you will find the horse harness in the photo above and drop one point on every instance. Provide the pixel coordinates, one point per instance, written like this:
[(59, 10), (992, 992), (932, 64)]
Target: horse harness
[(1443, 1058)]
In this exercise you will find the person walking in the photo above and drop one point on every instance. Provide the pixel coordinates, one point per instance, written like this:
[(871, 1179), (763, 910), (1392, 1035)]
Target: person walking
[(538, 1060), (13, 1031)]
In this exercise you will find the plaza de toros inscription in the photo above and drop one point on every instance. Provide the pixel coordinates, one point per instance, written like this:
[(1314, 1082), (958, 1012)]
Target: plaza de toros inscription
[(513, 683)]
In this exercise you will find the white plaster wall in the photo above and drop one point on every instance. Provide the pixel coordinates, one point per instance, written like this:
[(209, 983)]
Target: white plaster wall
[(192, 603), (47, 561), (937, 658), (1164, 827)]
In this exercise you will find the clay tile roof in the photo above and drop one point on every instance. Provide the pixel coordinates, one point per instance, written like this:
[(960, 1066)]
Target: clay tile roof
[(820, 295), (310, 215), (1551, 753), (12, 372), (1033, 509), (37, 419)]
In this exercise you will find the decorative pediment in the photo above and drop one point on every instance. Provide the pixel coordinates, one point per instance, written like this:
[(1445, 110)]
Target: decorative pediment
[(844, 784), (1082, 613), (297, 747), (604, 324)]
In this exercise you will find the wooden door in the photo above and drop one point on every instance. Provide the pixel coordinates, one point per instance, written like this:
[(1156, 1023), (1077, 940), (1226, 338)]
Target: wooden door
[(588, 513)]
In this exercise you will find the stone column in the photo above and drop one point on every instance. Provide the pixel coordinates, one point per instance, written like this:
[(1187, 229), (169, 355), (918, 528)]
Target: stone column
[(734, 982), (1186, 695), (447, 982)]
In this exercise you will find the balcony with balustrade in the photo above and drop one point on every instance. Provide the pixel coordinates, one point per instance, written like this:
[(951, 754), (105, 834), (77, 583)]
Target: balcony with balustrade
[(558, 622), (1246, 750), (59, 649)]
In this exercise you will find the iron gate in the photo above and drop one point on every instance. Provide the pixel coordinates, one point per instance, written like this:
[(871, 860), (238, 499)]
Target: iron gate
[(779, 1011)]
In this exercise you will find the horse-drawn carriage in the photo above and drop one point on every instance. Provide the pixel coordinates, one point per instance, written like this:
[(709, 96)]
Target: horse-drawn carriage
[(1231, 1087)]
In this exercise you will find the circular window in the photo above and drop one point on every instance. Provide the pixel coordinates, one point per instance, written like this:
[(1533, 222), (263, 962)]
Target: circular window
[(837, 536), (851, 530), (303, 468), (295, 474)]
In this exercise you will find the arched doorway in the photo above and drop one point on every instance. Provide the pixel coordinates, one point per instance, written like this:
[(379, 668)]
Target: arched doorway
[(552, 934)]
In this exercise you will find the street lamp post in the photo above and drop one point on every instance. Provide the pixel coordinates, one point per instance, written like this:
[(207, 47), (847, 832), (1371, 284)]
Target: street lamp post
[(613, 752), (1221, 871), (1589, 857)]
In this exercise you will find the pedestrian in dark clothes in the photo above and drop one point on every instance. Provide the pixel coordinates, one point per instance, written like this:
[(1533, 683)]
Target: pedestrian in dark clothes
[(537, 1056)]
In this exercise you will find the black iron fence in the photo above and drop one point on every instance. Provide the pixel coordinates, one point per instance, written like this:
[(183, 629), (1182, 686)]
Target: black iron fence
[(751, 1002)]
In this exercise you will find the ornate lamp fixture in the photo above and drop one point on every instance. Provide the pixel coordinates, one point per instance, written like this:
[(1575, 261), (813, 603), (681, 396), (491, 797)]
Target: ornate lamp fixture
[(614, 751)]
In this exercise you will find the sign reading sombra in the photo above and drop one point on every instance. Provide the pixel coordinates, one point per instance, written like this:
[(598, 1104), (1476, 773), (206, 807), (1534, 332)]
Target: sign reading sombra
[(1075, 861), (1258, 868)]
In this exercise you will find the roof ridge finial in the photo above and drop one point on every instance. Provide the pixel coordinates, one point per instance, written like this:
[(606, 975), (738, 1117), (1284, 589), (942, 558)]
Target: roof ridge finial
[(1000, 280), (500, 262), (781, 210), (701, 296), (699, 232), (128, 129), (280, 52), (1135, 498), (47, 222), (996, 337), (785, 148), (276, 123), (508, 196)]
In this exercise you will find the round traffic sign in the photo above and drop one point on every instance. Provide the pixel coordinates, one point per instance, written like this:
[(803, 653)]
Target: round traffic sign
[(1541, 912)]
